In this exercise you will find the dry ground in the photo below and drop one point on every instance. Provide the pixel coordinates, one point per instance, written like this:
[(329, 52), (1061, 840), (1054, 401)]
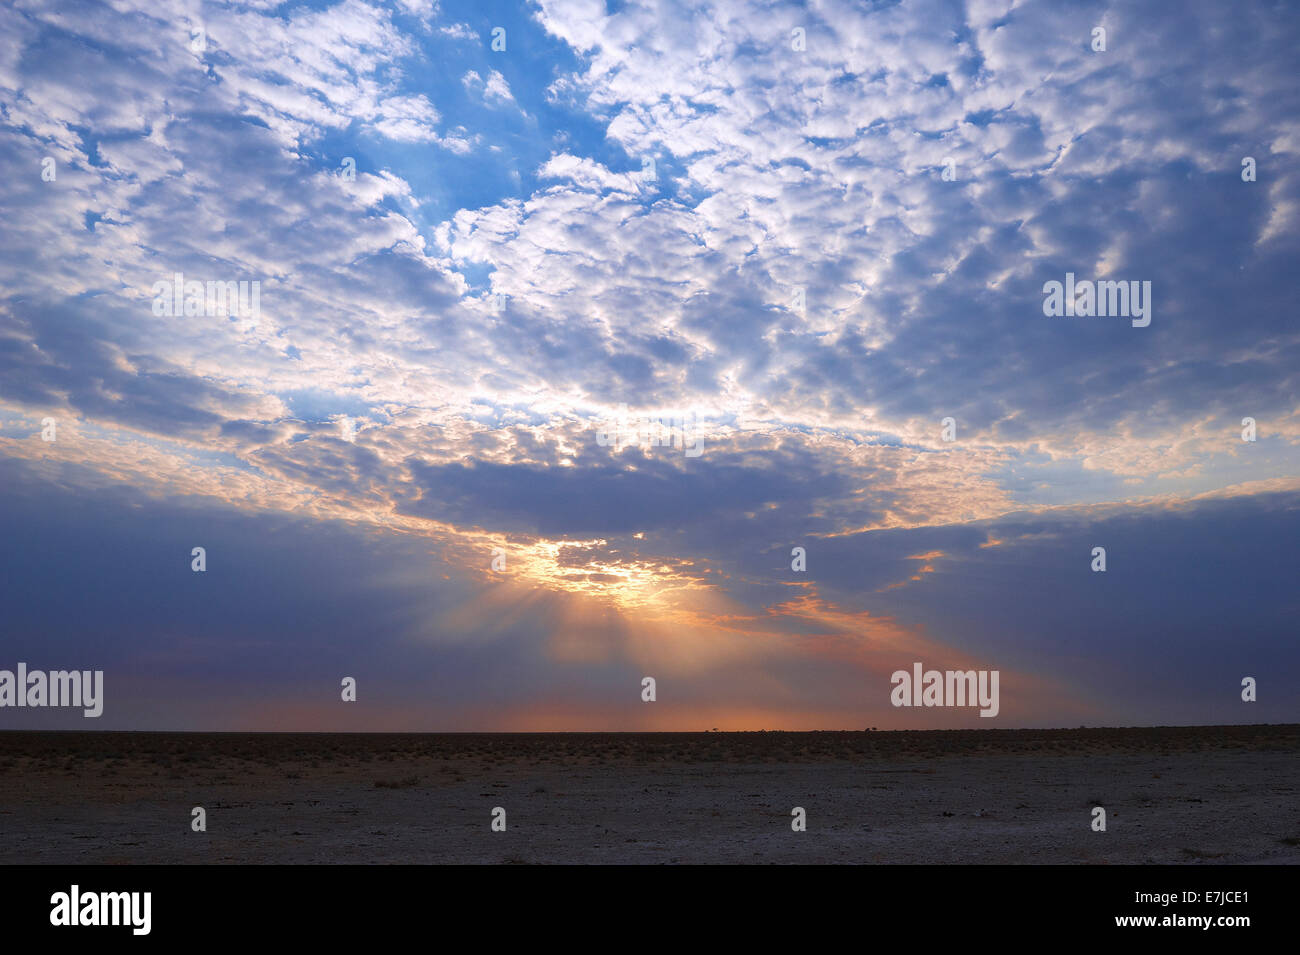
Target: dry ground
[(1195, 795)]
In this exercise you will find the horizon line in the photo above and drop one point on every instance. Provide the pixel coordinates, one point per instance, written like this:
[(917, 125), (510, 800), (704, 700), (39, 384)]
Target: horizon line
[(990, 729)]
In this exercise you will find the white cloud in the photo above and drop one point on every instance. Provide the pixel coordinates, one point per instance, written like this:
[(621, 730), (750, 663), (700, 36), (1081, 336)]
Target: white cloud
[(494, 90), (459, 31)]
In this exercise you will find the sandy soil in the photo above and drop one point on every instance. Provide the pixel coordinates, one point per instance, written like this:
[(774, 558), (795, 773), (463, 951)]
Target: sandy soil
[(1172, 795)]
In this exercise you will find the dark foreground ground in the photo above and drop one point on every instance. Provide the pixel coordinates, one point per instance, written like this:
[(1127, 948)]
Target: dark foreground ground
[(1225, 794)]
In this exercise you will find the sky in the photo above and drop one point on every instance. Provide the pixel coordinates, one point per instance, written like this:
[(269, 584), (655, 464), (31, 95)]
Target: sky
[(493, 243)]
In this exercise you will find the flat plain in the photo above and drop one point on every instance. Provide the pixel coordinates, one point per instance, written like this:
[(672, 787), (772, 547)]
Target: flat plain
[(1195, 795)]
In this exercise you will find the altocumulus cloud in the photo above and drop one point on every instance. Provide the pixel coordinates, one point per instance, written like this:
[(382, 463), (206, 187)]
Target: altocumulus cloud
[(470, 260)]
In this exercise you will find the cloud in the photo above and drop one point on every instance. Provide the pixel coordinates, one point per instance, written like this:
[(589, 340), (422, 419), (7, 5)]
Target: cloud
[(699, 219), (494, 90), (459, 31)]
